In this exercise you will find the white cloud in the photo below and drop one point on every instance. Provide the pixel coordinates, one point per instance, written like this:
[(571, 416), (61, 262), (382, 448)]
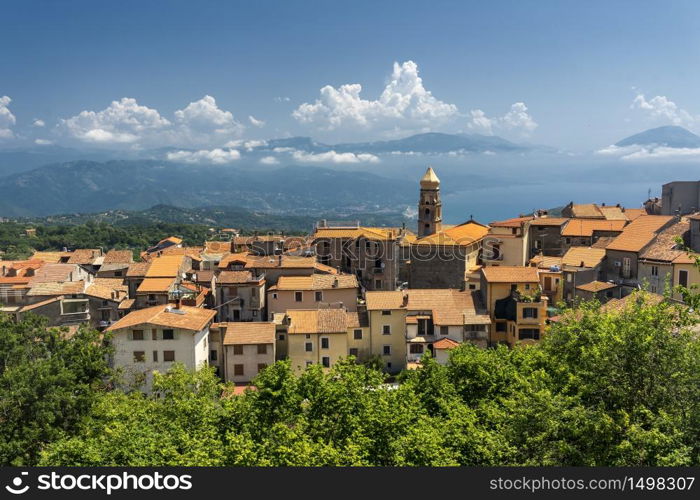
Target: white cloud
[(216, 156), (43, 142), (517, 120), (255, 122), (662, 109), (649, 152), (404, 105), (204, 117), (123, 121), (282, 99), (269, 160), (7, 119), (333, 157), (248, 145), (38, 122)]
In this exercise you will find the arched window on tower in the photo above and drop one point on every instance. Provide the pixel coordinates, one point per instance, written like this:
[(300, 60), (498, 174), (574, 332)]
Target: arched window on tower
[(427, 211)]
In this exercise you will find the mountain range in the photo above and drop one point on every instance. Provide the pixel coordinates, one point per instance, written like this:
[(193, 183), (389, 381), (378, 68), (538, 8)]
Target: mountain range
[(670, 136)]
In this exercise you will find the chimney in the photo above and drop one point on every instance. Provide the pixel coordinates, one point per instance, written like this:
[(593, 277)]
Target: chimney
[(279, 259), (404, 302)]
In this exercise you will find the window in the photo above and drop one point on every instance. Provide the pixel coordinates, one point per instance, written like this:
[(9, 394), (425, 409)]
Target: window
[(527, 287), (472, 286), (386, 313), (255, 313), (529, 312), (386, 330), (326, 361), (155, 356), (357, 334), (274, 295), (298, 296), (308, 336), (500, 327), (353, 351), (261, 367), (168, 355), (237, 349), (529, 333), (568, 277), (654, 270), (318, 296), (262, 348), (567, 241), (444, 331), (377, 284), (137, 335), (280, 336), (308, 347), (653, 288), (154, 334), (683, 278), (626, 267), (388, 366), (416, 349), (213, 355), (309, 363), (324, 342), (238, 370), (168, 334), (386, 350), (139, 356)]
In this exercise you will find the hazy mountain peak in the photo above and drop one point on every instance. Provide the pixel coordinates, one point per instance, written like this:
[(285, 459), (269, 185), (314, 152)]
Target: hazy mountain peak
[(670, 136)]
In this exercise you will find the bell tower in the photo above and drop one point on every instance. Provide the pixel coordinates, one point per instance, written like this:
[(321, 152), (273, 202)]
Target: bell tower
[(429, 205)]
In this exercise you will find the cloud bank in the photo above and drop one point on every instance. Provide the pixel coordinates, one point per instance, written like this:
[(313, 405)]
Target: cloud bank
[(517, 120), (7, 119)]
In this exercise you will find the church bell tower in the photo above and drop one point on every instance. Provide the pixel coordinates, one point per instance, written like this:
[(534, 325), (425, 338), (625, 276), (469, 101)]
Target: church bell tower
[(429, 205)]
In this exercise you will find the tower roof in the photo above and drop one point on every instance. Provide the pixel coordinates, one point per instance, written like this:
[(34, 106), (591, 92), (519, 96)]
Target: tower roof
[(430, 180)]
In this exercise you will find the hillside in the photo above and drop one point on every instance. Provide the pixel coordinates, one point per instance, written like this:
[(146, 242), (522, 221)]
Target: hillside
[(670, 136)]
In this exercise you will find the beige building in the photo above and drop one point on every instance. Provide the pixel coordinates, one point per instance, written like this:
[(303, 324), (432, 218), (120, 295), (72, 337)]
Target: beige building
[(240, 296), (313, 292), (655, 265), (321, 336), (154, 338), (685, 272), (387, 328), (247, 349), (515, 302), (505, 244)]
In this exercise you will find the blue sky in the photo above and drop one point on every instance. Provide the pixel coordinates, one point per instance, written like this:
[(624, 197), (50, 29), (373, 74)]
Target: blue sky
[(562, 73)]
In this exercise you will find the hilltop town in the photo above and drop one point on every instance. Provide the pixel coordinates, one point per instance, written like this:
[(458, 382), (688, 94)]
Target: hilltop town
[(386, 295)]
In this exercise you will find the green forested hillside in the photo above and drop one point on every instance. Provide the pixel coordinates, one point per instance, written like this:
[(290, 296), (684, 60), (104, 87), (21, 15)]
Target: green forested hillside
[(619, 388)]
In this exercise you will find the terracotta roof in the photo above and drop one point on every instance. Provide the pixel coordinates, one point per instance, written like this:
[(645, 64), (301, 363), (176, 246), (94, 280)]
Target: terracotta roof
[(384, 300), (186, 318), (137, 269), (231, 277), (695, 216), (462, 235), (42, 303), (283, 261), (323, 268), (634, 213), (545, 261), (585, 227), (84, 256), (165, 266), (684, 258), (204, 276), (446, 343), (596, 286), (248, 333), (639, 233), (216, 247), (358, 319), (227, 259), (51, 257), (586, 210), (613, 212), (118, 257), (126, 304), (449, 306), (590, 257), (664, 247), (619, 305), (57, 288), (548, 221), (369, 233), (603, 241), (54, 272), (104, 287), (155, 285), (304, 321), (514, 222), (317, 282), (511, 274)]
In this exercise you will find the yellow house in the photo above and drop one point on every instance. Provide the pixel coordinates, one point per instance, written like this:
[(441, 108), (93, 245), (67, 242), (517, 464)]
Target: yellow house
[(551, 276), (387, 328), (313, 292), (320, 336), (685, 272), (517, 306)]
